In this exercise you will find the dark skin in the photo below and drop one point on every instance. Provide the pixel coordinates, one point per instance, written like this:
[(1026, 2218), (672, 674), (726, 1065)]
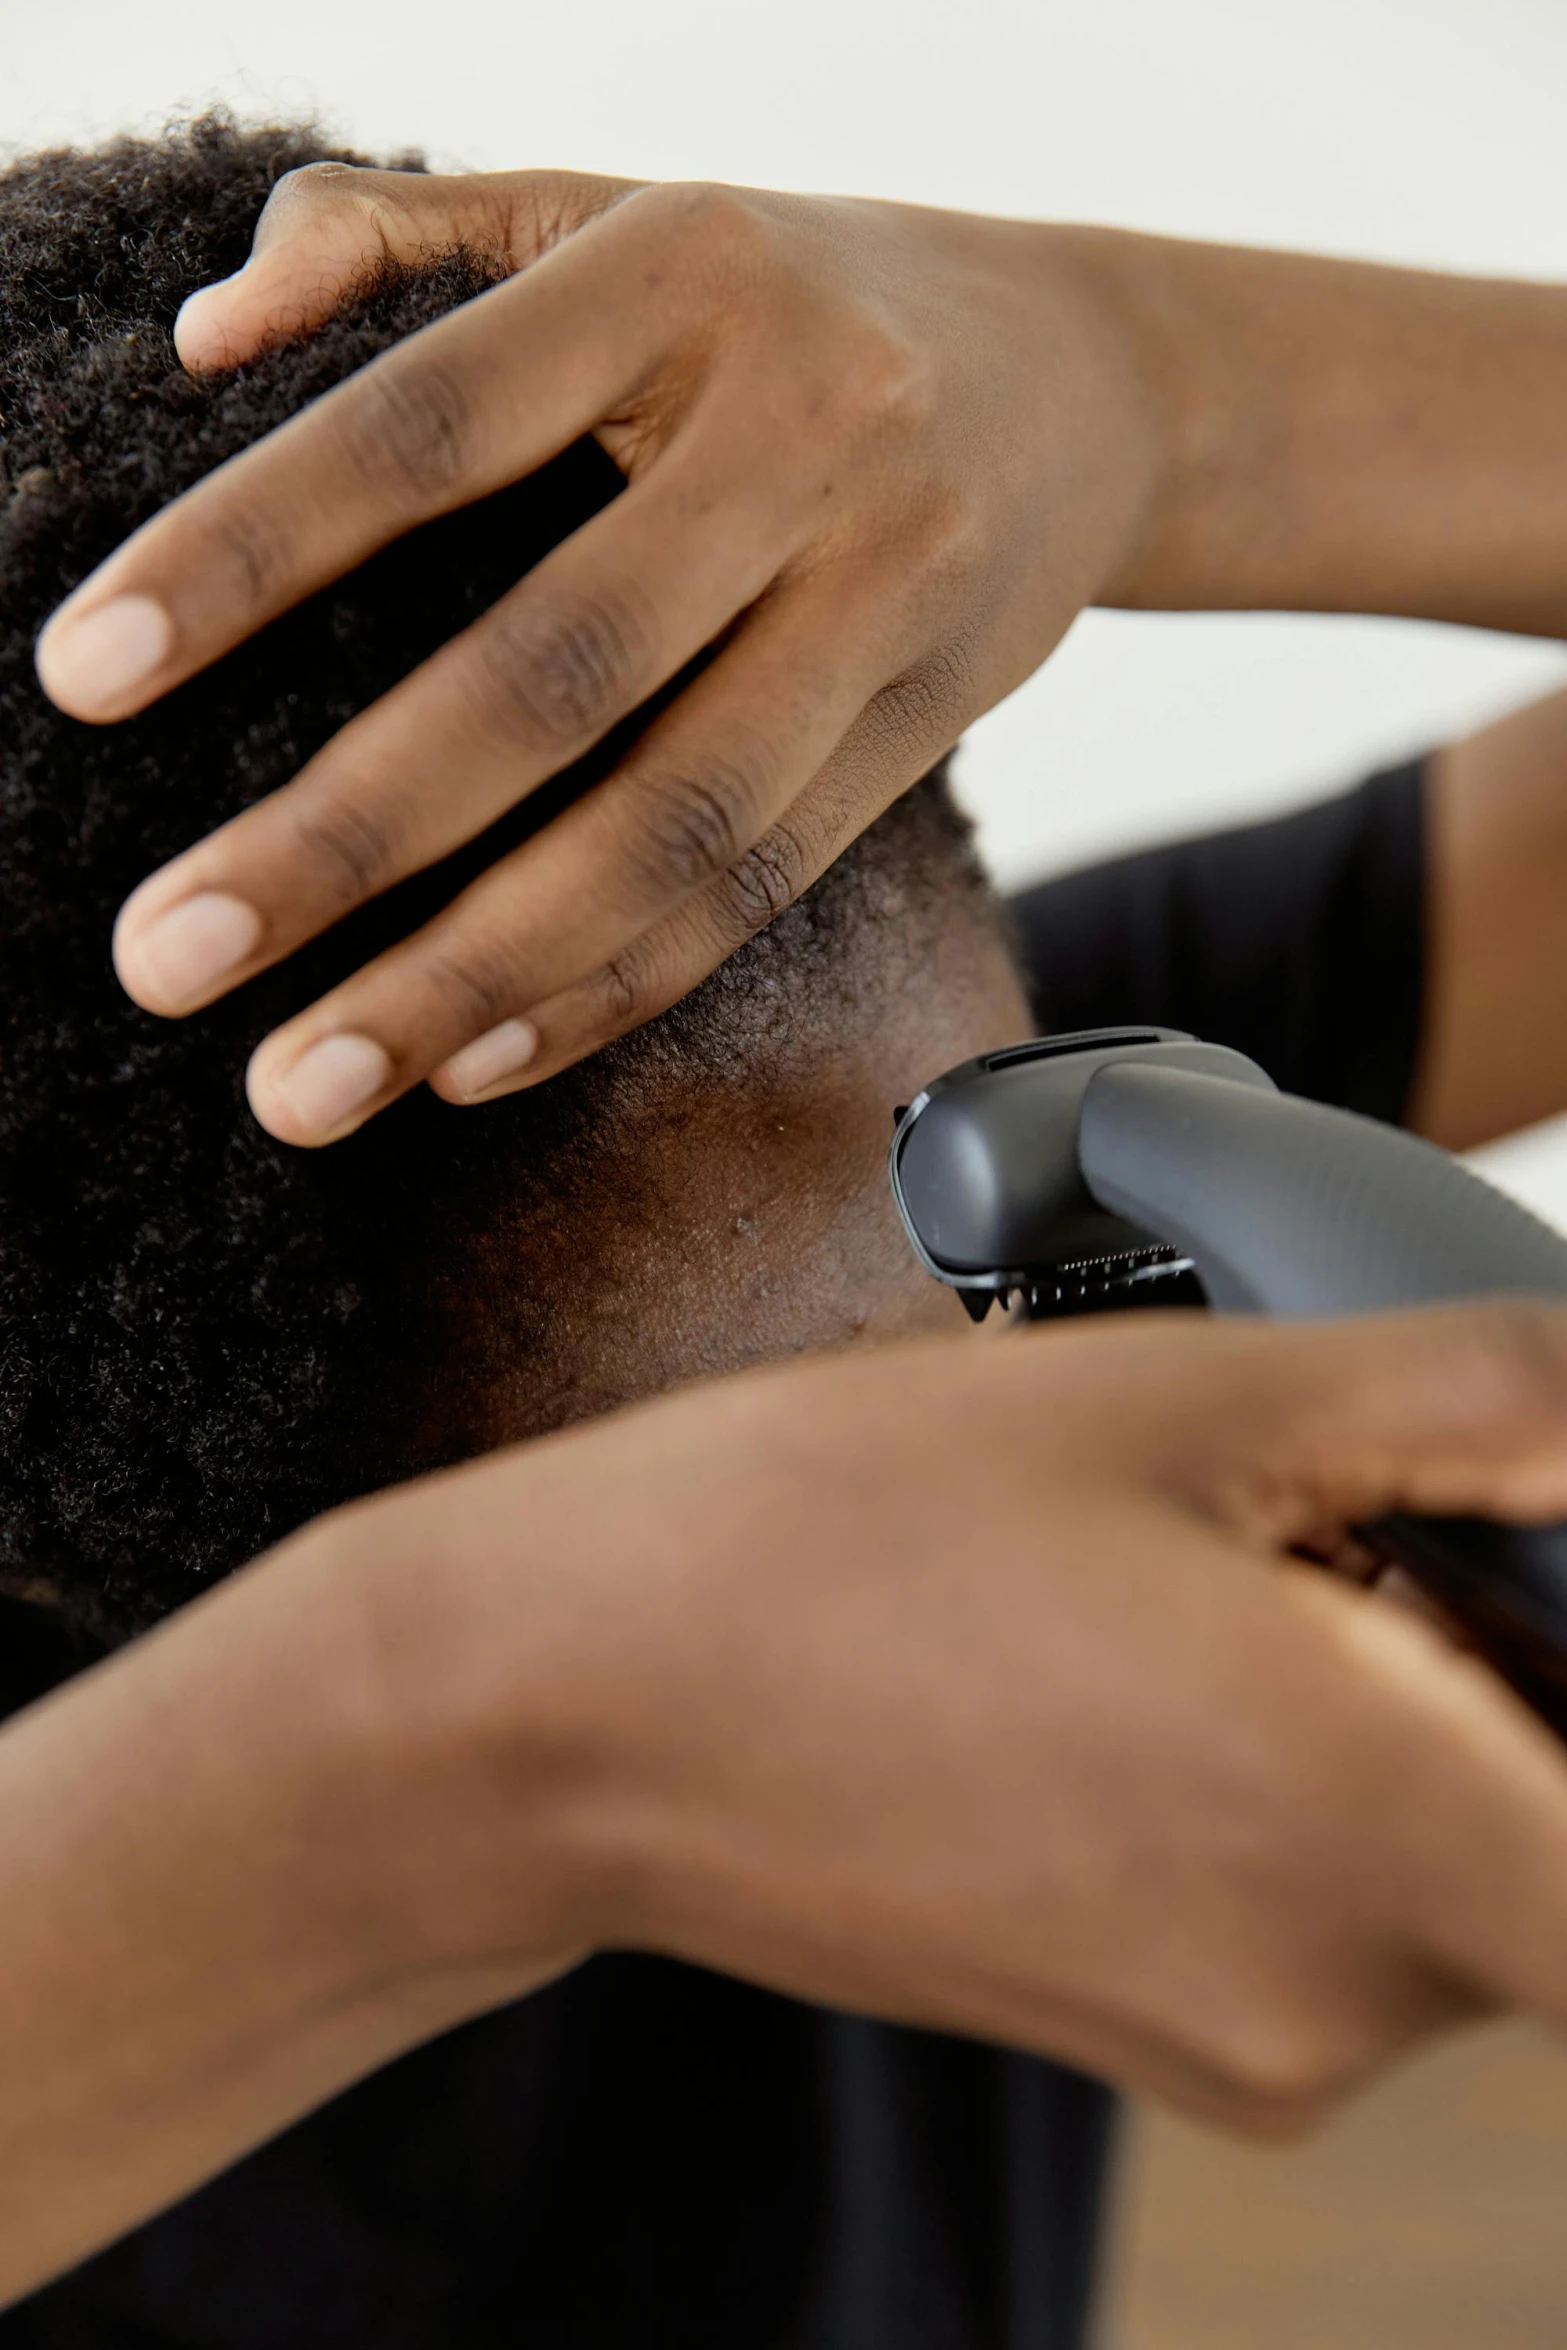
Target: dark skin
[(1494, 1055), (965, 1681), (786, 1207), (974, 1683), (754, 1220), (890, 452), (971, 1679)]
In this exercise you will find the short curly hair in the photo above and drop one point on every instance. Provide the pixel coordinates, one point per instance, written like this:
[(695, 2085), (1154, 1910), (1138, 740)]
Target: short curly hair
[(206, 1337)]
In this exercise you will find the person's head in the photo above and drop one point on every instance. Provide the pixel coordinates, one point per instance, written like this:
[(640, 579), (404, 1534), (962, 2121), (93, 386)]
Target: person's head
[(206, 1336)]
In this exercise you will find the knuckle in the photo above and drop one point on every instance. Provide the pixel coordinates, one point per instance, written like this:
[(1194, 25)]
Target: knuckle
[(1280, 2073), (705, 211), (561, 670), (477, 983), (304, 200), (309, 188), (941, 540), (688, 828), (889, 383), (252, 546), (347, 847), (930, 702), (721, 243), (310, 183), (405, 422), (761, 884), (625, 989)]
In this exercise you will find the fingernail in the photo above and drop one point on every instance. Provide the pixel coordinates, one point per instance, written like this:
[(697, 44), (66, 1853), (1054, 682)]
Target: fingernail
[(178, 959), (499, 1053), (95, 665), (329, 1082)]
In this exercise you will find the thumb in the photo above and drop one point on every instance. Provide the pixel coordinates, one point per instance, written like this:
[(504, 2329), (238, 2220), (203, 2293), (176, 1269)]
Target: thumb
[(1443, 1411), (329, 226)]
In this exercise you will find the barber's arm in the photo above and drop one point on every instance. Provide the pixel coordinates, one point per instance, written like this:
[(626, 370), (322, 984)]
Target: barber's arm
[(1399, 950), (1493, 1051), (1039, 1733), (883, 454)]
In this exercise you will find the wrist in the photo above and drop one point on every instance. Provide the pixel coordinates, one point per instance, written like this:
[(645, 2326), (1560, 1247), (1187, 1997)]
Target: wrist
[(478, 1612), (209, 1810), (1127, 385), (1169, 388), (1335, 436)]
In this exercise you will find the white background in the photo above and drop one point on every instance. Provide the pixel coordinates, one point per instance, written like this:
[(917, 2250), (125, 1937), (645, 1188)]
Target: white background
[(1426, 131)]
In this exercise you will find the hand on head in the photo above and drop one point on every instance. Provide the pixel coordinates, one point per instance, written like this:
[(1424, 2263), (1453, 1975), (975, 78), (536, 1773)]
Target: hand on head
[(877, 459), (1038, 1731), (836, 473)]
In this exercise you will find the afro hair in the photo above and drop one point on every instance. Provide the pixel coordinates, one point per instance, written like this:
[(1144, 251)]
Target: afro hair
[(206, 1337)]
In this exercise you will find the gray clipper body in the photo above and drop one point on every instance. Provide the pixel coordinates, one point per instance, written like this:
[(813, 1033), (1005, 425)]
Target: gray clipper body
[(1135, 1167)]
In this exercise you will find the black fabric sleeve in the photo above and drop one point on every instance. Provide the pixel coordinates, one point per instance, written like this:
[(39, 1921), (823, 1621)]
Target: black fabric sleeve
[(1300, 942)]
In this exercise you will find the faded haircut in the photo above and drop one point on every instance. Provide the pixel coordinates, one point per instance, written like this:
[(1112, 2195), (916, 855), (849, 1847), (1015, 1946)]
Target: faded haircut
[(205, 1336)]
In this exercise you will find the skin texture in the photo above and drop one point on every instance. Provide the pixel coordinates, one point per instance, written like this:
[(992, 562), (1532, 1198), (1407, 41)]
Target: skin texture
[(758, 1223), (1035, 1733), (872, 373), (207, 1336), (890, 452)]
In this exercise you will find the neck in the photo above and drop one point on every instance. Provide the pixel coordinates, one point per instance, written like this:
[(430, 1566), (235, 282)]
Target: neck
[(734, 1224)]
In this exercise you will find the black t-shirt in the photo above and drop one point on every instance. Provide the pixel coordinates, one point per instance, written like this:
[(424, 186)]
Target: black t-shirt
[(1299, 942), (645, 2156)]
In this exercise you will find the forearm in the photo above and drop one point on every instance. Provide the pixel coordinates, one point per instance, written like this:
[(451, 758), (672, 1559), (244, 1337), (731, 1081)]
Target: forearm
[(1340, 437), (889, 1681), (1494, 1048), (213, 1863)]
